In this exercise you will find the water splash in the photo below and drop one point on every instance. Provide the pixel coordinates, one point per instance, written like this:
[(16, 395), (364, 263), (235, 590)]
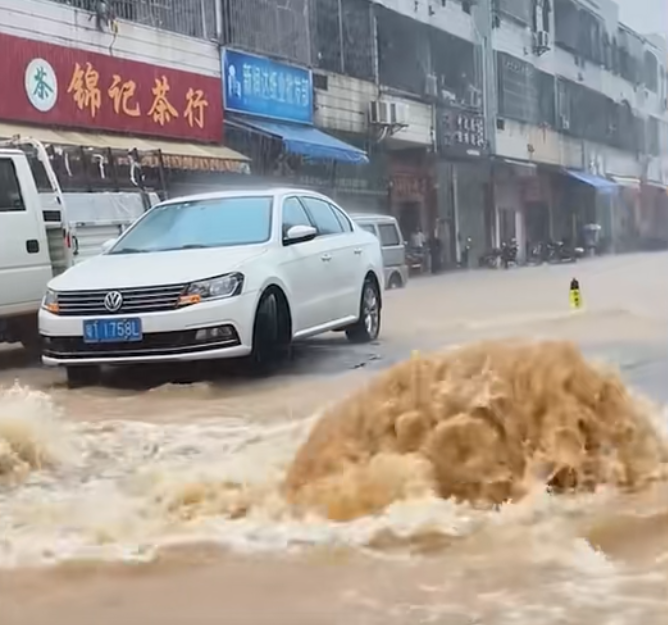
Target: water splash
[(411, 462)]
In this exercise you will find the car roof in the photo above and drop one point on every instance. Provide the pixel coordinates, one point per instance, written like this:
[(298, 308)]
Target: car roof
[(372, 217), (245, 192)]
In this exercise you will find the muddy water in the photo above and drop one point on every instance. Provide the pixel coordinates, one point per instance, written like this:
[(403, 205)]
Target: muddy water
[(120, 505)]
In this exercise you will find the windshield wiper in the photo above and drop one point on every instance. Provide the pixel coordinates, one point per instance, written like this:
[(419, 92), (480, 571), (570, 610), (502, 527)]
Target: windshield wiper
[(190, 246), (128, 250)]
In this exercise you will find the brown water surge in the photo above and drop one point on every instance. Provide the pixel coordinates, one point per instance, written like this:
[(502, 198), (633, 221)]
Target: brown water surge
[(484, 424)]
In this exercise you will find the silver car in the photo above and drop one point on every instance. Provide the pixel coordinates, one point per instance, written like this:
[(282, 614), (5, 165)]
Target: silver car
[(386, 228)]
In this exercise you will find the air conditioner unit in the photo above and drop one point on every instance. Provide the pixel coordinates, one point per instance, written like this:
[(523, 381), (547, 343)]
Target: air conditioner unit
[(379, 112), (388, 113), (541, 41), (431, 85), (402, 113), (475, 98)]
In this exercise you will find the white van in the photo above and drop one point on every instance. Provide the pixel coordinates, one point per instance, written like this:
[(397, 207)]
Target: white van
[(41, 238), (386, 228)]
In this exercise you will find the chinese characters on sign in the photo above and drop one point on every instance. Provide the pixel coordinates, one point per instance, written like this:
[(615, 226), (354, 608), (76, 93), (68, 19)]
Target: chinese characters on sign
[(408, 188), (262, 87), (41, 85), (69, 87), (461, 130), (85, 90)]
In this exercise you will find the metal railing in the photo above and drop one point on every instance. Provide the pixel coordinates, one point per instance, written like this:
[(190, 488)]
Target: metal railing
[(195, 18)]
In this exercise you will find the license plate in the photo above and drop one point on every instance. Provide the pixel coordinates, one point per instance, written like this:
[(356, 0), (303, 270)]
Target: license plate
[(112, 330)]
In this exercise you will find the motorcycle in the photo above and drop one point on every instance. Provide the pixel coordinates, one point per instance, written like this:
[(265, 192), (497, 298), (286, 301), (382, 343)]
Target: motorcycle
[(561, 252), (490, 259), (415, 259), (509, 253)]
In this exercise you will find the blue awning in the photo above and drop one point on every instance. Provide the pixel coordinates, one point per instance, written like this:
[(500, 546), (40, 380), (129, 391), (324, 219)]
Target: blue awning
[(306, 141), (599, 183)]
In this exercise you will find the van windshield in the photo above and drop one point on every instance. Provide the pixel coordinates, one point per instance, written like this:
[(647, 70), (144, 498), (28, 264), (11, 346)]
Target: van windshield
[(221, 222)]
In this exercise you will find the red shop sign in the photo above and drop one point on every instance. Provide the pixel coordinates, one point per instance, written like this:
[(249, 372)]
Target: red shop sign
[(408, 187), (59, 86)]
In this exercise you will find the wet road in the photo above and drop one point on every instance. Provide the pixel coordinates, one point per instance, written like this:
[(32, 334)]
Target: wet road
[(145, 449)]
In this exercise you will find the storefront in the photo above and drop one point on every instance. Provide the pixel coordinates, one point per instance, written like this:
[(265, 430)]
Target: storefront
[(269, 116), (110, 121), (591, 199), (464, 183), (409, 195)]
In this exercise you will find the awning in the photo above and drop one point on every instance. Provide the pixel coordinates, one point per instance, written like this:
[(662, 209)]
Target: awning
[(175, 154), (599, 183), (627, 181), (305, 140)]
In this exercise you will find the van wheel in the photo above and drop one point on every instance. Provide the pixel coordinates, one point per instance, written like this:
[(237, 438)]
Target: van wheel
[(395, 281), (367, 327), (83, 375), (271, 334)]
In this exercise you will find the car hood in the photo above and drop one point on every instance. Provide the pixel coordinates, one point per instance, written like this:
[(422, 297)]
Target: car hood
[(116, 271)]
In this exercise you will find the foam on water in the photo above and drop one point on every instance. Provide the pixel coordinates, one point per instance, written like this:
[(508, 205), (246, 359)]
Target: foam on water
[(123, 490)]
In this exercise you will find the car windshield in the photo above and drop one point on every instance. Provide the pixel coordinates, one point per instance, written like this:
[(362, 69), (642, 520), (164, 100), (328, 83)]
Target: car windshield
[(220, 222)]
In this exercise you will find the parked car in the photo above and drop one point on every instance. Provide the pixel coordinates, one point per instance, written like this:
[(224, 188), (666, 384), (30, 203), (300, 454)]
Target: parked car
[(386, 228), (42, 234), (222, 275)]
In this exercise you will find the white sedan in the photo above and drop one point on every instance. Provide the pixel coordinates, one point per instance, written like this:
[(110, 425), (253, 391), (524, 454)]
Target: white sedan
[(222, 275)]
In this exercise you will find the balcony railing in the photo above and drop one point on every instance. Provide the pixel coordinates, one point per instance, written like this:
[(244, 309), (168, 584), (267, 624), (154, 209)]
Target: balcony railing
[(195, 18)]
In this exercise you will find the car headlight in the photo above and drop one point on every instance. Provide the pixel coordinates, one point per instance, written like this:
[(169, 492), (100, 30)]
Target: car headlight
[(220, 287), (50, 302)]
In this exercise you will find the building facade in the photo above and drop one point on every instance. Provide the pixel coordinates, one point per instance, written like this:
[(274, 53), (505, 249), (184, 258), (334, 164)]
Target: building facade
[(480, 120)]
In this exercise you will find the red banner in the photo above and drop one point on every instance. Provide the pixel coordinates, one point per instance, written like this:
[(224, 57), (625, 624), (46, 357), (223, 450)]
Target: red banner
[(59, 86)]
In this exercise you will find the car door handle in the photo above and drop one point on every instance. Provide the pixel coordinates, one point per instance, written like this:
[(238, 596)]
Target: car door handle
[(326, 257), (358, 251), (32, 246)]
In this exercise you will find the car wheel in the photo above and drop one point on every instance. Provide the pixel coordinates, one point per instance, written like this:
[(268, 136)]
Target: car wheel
[(367, 327), (395, 281), (271, 334), (83, 375)]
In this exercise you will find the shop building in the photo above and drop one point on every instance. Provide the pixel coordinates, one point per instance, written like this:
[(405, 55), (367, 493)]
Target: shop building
[(269, 115), (106, 119)]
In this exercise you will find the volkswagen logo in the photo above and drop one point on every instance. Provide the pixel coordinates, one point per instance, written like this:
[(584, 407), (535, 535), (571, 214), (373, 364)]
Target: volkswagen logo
[(113, 301)]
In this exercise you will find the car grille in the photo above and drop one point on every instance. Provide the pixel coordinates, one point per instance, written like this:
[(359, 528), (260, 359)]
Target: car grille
[(153, 344), (138, 300)]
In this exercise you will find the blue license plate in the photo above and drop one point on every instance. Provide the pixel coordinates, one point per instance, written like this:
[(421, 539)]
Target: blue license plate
[(112, 330)]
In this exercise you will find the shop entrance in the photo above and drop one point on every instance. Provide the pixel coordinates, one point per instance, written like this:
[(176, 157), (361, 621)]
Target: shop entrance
[(409, 219)]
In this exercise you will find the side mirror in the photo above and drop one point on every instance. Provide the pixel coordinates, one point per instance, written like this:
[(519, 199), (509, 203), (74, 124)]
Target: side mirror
[(107, 245), (299, 234)]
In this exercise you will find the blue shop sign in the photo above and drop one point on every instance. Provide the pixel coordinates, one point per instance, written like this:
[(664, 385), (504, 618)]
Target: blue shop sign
[(255, 85)]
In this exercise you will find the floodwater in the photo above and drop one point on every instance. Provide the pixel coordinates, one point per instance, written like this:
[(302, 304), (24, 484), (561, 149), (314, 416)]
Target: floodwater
[(473, 467)]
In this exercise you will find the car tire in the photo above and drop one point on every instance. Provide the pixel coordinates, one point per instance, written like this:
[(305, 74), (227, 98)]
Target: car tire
[(395, 281), (367, 327), (271, 334), (83, 375)]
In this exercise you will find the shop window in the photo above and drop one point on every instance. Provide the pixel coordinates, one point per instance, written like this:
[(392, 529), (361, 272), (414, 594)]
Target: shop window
[(278, 29), (518, 87), (653, 136), (11, 199), (195, 18), (396, 35), (651, 71), (454, 62), (518, 10)]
